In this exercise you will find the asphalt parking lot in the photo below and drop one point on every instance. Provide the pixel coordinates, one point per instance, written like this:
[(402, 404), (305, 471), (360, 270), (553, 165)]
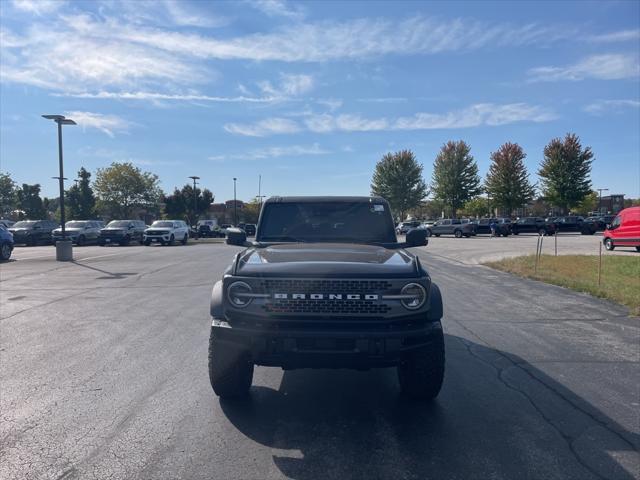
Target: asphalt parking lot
[(103, 374)]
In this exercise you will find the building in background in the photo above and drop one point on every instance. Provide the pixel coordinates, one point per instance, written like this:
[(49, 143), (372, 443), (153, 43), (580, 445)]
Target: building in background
[(611, 204)]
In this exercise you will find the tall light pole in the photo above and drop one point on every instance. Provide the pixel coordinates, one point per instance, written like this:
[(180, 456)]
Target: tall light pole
[(235, 204), (64, 253), (600, 190), (260, 196), (195, 197)]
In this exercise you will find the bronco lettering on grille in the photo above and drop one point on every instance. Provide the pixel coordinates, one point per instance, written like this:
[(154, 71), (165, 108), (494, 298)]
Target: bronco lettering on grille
[(325, 296)]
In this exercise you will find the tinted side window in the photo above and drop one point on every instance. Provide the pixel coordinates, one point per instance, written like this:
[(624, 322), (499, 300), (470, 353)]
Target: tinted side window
[(455, 222)]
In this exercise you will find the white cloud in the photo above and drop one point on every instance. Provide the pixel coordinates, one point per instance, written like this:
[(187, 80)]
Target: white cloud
[(156, 96), (620, 36), (278, 8), (481, 114), (183, 16), (289, 85), (611, 106), (603, 67), (39, 7), (331, 103), (269, 126), (274, 152), (109, 124), (383, 100)]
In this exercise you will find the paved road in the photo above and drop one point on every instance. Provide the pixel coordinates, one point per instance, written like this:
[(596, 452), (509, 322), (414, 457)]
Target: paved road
[(103, 375)]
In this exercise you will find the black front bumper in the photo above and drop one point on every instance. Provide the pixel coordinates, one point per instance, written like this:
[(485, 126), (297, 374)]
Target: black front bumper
[(292, 348)]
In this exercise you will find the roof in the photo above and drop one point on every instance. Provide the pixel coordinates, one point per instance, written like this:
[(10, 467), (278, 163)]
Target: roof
[(325, 199)]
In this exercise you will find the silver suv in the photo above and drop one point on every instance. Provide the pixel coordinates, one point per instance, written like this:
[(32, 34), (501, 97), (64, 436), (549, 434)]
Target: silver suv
[(79, 232)]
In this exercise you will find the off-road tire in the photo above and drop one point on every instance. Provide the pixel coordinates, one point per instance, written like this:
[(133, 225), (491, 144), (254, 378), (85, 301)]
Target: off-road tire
[(230, 371), (422, 371), (5, 252), (608, 244), (458, 233), (185, 239)]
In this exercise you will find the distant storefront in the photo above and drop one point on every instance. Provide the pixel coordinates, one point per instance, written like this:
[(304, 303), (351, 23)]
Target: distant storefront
[(611, 204)]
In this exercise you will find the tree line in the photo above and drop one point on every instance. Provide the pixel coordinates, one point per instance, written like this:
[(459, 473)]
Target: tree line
[(121, 190), (564, 172)]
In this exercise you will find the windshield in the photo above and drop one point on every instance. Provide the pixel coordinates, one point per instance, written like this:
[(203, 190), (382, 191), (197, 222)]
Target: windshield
[(356, 222), (162, 224), (118, 224), (24, 224), (76, 224)]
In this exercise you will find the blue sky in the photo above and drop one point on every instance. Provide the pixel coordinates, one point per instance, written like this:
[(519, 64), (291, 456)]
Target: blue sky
[(310, 95)]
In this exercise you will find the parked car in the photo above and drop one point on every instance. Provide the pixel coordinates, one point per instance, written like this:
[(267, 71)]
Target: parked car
[(209, 228), (427, 224), (79, 232), (600, 222), (624, 230), (403, 227), (471, 222), (224, 227), (250, 229), (33, 232), (573, 223), (533, 225), (451, 226), (167, 232), (122, 232), (7, 223), (6, 243), (503, 226)]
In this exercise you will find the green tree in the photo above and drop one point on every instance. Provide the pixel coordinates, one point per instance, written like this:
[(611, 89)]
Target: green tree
[(507, 181), (80, 198), (588, 204), (565, 171), (251, 211), (122, 188), (179, 204), (477, 207), (7, 195), (455, 175), (398, 179), (29, 201)]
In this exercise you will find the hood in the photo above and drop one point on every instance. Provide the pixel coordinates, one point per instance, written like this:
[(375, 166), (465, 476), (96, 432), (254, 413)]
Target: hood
[(69, 230), (326, 260)]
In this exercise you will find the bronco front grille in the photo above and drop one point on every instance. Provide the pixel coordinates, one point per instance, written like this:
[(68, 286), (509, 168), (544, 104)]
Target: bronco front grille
[(325, 306)]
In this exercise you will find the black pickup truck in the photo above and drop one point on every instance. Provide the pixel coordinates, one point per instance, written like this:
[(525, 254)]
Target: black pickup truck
[(325, 284)]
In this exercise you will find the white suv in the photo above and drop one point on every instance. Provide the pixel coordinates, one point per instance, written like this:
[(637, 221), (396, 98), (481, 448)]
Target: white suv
[(166, 232)]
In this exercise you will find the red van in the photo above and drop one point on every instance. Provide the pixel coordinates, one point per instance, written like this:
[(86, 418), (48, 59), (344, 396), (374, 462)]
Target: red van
[(624, 231)]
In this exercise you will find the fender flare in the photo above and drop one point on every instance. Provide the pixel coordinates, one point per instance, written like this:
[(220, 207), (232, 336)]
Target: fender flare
[(216, 305), (436, 309)]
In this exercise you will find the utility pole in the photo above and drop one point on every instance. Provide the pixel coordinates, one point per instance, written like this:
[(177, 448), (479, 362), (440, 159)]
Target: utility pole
[(235, 204), (195, 198), (260, 196), (600, 190)]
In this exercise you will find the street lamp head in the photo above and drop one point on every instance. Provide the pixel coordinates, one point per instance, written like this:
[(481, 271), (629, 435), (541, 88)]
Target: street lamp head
[(60, 119), (194, 177)]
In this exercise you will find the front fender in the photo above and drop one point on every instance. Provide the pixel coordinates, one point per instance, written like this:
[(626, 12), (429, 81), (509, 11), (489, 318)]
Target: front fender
[(215, 307), (436, 309)]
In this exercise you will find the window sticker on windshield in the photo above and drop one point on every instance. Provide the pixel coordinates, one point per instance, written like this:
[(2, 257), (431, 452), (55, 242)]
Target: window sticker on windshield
[(378, 208)]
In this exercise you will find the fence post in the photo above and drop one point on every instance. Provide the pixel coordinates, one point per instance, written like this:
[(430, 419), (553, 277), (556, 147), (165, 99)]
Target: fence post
[(555, 242), (600, 264)]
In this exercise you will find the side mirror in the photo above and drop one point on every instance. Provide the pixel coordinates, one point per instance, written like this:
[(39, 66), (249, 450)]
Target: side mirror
[(236, 236), (416, 237)]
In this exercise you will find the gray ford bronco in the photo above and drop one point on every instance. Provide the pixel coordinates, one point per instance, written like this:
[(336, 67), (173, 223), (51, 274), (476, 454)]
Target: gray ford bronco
[(326, 284)]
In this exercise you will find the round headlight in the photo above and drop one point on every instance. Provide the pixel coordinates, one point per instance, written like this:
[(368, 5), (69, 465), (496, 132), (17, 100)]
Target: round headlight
[(237, 293), (416, 296)]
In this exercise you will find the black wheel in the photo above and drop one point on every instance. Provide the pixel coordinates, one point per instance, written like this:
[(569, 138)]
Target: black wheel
[(172, 239), (5, 252), (147, 243), (437, 234), (125, 241), (515, 232), (230, 371), (458, 233), (637, 249), (422, 372), (185, 239), (81, 241), (542, 232), (101, 243), (505, 234), (608, 244), (467, 235)]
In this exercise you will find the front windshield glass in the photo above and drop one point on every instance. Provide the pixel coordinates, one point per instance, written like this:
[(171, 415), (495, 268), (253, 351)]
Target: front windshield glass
[(75, 224), (162, 224), (24, 224), (354, 222), (118, 224)]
